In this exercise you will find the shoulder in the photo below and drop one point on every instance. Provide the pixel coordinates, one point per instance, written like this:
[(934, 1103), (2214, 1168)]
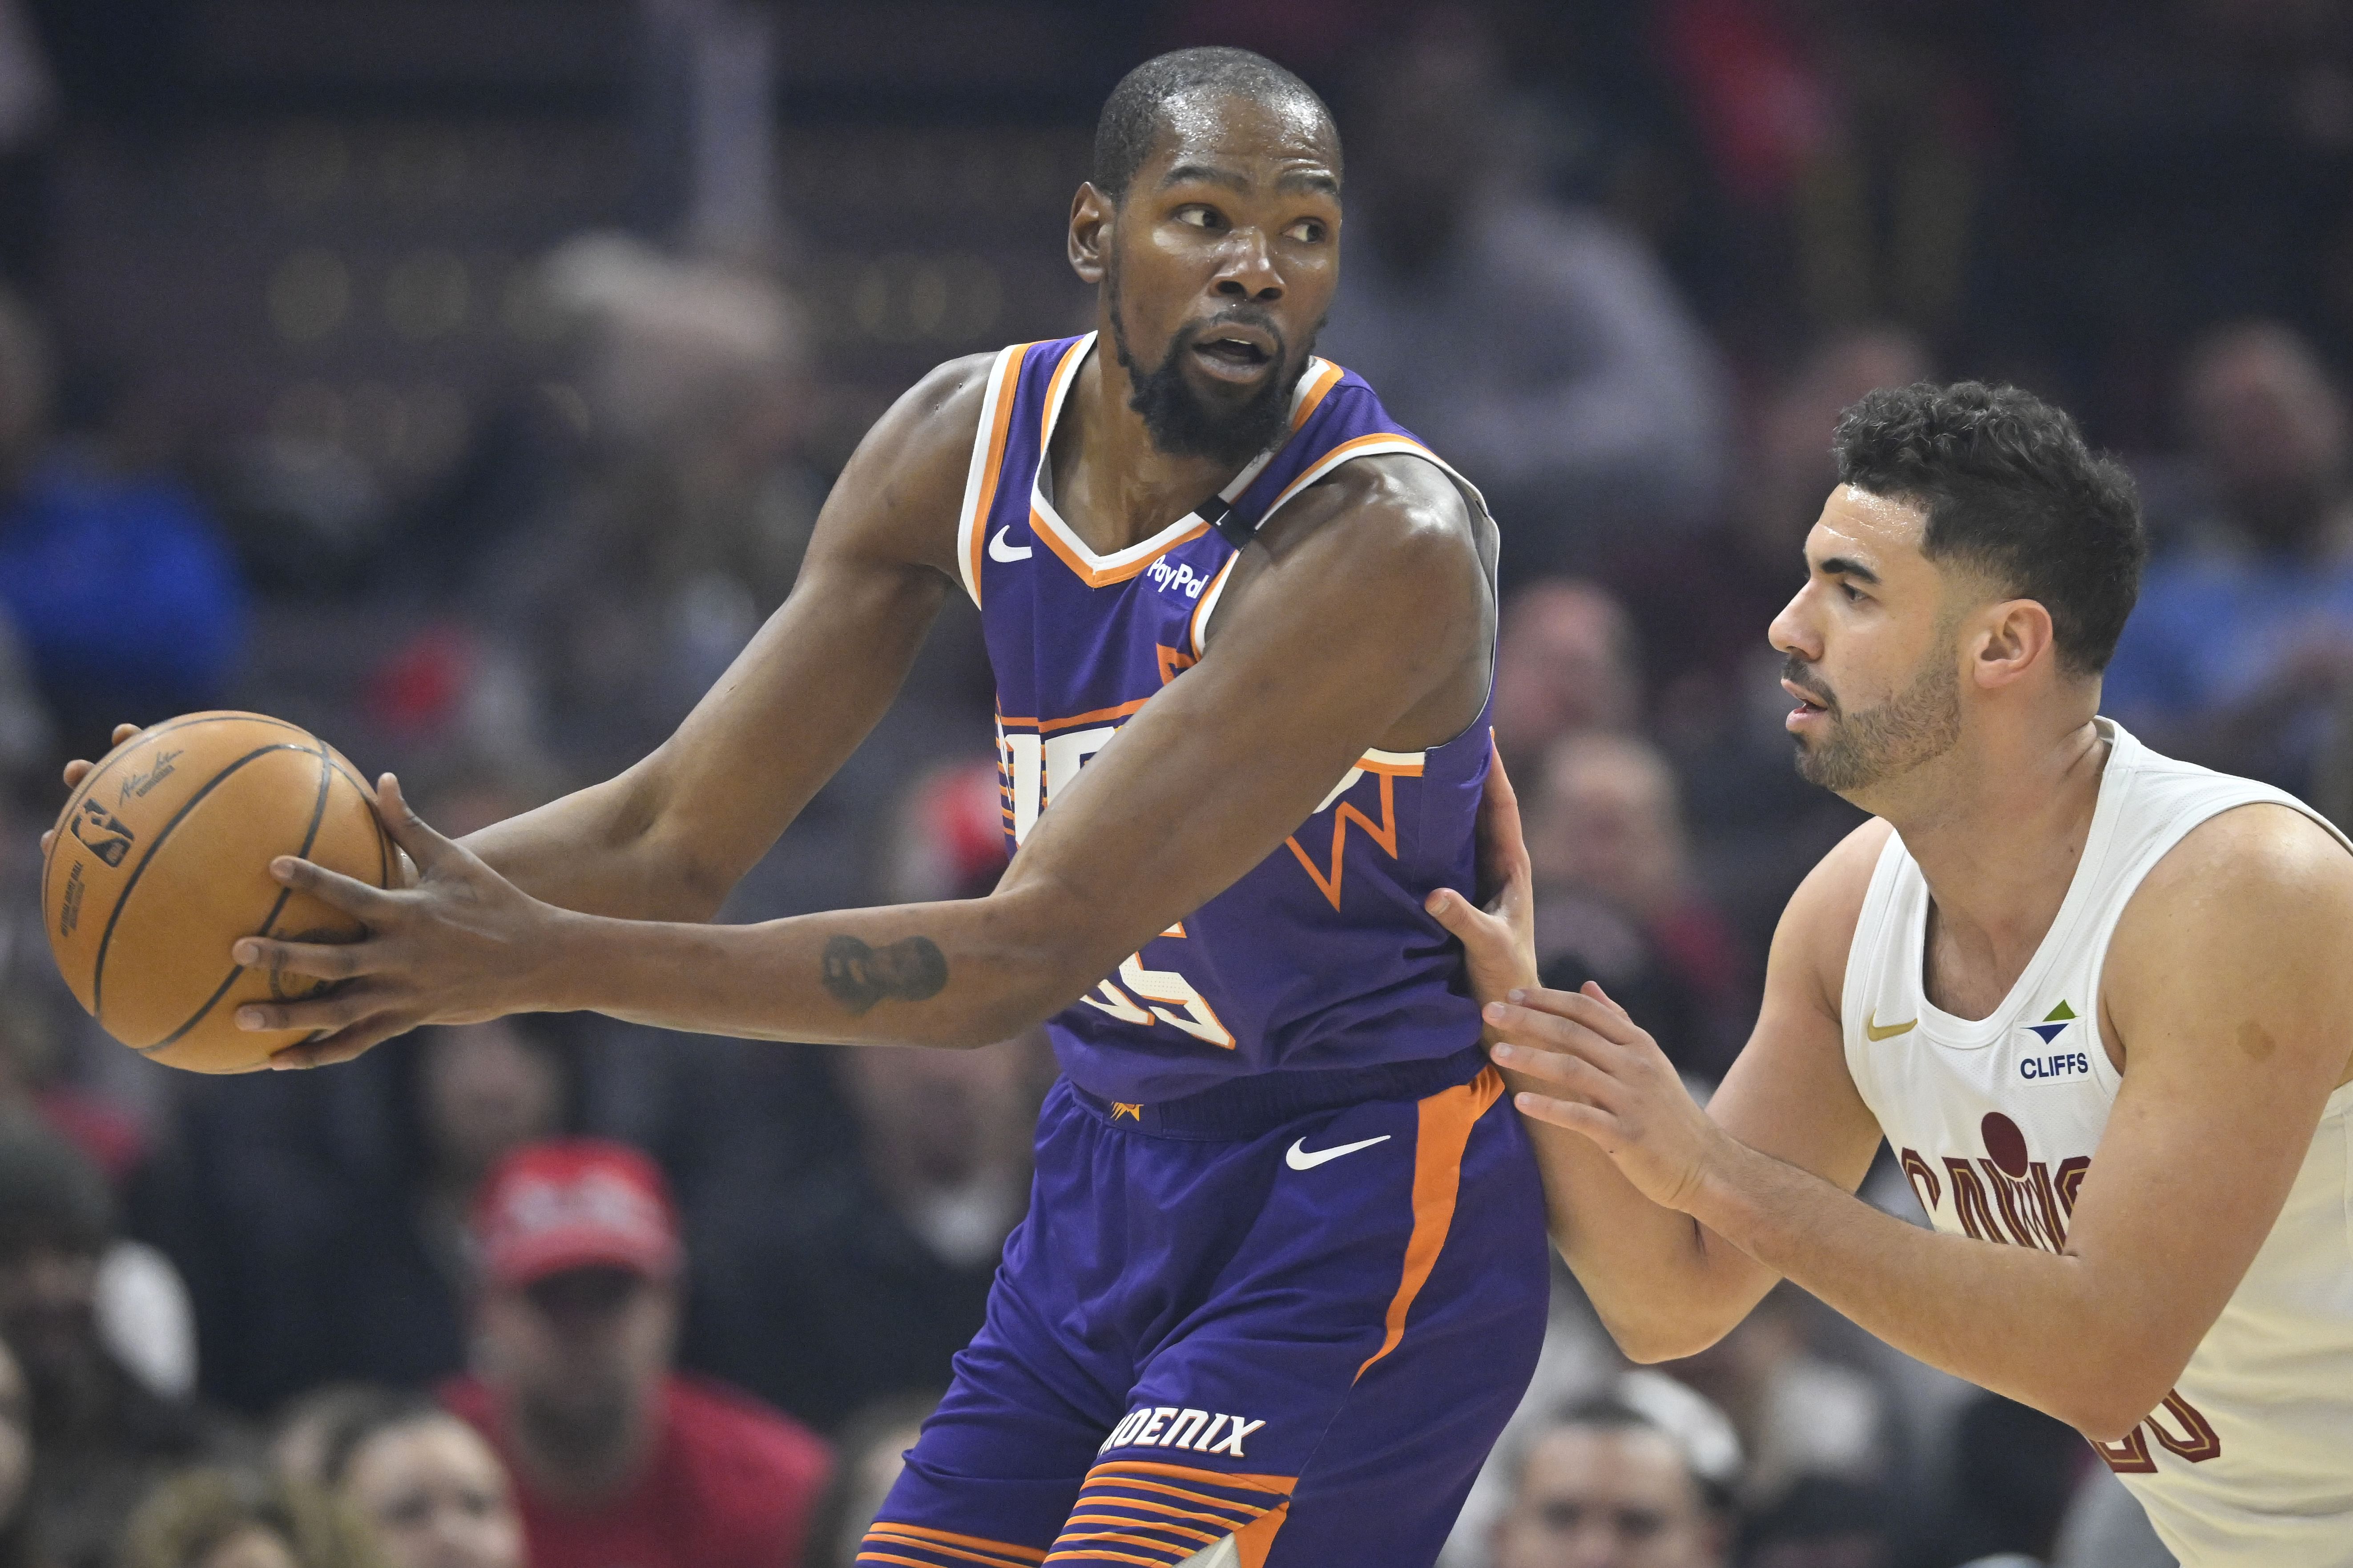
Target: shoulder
[(1393, 512), (1818, 927), (938, 418), (2262, 862)]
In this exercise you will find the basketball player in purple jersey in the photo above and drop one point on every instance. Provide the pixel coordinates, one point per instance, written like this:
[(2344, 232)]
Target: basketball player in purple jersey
[(1283, 1276)]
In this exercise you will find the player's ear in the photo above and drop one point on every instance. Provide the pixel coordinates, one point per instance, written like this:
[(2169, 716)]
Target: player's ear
[(2016, 636), (1091, 232)]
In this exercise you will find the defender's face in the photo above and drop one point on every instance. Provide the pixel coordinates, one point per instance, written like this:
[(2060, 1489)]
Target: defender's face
[(1227, 246), (1868, 645)]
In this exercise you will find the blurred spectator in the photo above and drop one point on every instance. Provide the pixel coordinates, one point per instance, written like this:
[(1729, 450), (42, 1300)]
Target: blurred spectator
[(321, 1219), (1852, 143), (1540, 349), (867, 1277), (1824, 1522), (427, 1484), (2240, 653), (1704, 606), (635, 584), (1565, 663), (309, 1429), (616, 1459), (1797, 1414), (28, 103), (2105, 1527), (126, 598), (869, 1451), (2015, 1470), (1616, 901), (236, 1519), (1604, 1486), (20, 1533), (101, 1434)]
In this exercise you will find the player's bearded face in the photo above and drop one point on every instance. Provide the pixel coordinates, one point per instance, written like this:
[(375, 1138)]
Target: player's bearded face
[(1184, 419), (1869, 745)]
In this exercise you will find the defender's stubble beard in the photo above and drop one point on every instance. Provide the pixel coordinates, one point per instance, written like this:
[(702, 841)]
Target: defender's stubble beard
[(1918, 725)]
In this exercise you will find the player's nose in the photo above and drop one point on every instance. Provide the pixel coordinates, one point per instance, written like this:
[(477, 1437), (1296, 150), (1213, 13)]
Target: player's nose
[(1246, 270)]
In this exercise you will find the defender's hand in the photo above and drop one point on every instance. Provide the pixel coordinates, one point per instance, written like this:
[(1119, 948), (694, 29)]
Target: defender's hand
[(1499, 942), (1595, 1072), (462, 945), (79, 769)]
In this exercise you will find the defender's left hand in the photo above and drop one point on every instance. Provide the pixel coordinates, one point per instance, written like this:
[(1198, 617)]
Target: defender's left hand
[(462, 945), (1609, 1080)]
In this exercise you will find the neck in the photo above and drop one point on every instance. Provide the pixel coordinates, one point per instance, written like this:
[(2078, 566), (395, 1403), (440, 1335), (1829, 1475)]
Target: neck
[(582, 1461), (1111, 483), (1998, 833)]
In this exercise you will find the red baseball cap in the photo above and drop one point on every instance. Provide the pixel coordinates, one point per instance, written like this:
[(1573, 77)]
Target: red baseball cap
[(575, 1203)]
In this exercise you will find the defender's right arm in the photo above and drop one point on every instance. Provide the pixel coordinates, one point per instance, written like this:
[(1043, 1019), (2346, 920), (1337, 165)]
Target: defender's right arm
[(668, 839), (1664, 1285)]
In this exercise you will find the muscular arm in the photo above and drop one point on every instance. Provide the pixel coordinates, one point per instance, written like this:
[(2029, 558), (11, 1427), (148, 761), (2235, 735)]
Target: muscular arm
[(1663, 1284), (2231, 1019), (1360, 622), (670, 837)]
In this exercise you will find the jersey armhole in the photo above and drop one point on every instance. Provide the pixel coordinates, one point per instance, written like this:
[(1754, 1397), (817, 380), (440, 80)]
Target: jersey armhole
[(987, 463), (1865, 952)]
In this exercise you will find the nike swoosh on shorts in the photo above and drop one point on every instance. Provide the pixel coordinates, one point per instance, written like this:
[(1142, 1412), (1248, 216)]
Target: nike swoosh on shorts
[(1299, 1159)]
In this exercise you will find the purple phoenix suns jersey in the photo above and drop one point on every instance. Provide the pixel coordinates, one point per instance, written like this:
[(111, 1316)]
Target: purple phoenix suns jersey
[(1322, 956)]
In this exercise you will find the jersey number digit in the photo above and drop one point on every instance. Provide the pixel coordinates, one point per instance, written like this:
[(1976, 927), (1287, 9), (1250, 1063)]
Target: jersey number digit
[(2196, 1442), (1198, 1019)]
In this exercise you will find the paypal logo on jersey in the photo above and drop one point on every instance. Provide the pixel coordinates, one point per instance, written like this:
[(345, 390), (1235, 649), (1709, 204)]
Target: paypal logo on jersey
[(1175, 575)]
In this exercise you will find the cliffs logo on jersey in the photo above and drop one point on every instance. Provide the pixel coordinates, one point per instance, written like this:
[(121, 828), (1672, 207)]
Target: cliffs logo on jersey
[(2053, 1062), (1167, 1427), (2011, 1198)]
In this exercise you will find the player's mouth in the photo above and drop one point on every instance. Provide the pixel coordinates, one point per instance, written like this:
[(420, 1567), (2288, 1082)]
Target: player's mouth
[(1809, 707), (1234, 354)]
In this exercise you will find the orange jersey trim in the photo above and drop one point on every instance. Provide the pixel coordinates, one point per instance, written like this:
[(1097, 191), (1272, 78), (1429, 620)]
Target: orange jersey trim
[(927, 1535), (1317, 390), (1364, 446), (1447, 1117), (1384, 834), (1008, 379), (1108, 575), (1046, 726)]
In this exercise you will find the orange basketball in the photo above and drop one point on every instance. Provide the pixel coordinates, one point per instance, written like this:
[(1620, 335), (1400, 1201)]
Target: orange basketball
[(162, 861)]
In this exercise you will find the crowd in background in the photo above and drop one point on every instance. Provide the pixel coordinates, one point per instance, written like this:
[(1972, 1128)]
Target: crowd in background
[(563, 1291)]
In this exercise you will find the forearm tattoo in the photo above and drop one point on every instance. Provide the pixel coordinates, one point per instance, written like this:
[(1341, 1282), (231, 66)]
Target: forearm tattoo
[(911, 968)]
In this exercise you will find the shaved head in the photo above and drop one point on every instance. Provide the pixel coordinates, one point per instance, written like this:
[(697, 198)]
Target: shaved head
[(1141, 106)]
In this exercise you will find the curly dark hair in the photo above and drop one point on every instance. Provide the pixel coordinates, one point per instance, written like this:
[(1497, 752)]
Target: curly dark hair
[(2009, 487), (1137, 109)]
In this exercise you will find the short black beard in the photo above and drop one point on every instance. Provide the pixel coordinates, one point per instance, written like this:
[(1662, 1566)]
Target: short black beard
[(1918, 724), (1183, 425)]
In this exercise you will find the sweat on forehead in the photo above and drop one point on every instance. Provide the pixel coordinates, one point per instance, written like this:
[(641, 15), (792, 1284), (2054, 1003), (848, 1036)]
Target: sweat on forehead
[(1182, 91)]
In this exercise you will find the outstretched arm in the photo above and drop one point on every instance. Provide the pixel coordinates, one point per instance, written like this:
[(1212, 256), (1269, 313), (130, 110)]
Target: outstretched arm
[(1663, 1284), (1361, 624), (2232, 1025)]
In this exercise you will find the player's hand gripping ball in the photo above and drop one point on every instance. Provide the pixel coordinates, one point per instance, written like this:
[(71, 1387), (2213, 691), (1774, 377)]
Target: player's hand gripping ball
[(161, 860)]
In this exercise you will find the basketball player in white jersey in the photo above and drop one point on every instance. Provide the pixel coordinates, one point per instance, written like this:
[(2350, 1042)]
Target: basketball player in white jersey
[(2099, 1003)]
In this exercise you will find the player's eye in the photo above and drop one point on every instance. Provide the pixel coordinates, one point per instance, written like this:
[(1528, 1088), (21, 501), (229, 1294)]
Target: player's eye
[(1200, 216), (1306, 231), (1853, 596)]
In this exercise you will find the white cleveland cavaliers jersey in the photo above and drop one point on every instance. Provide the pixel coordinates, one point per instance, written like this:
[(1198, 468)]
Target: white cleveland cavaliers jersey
[(2250, 1459)]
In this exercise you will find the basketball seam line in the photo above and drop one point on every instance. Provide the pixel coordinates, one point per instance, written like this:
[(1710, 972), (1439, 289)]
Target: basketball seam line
[(98, 966), (327, 770), (82, 791)]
